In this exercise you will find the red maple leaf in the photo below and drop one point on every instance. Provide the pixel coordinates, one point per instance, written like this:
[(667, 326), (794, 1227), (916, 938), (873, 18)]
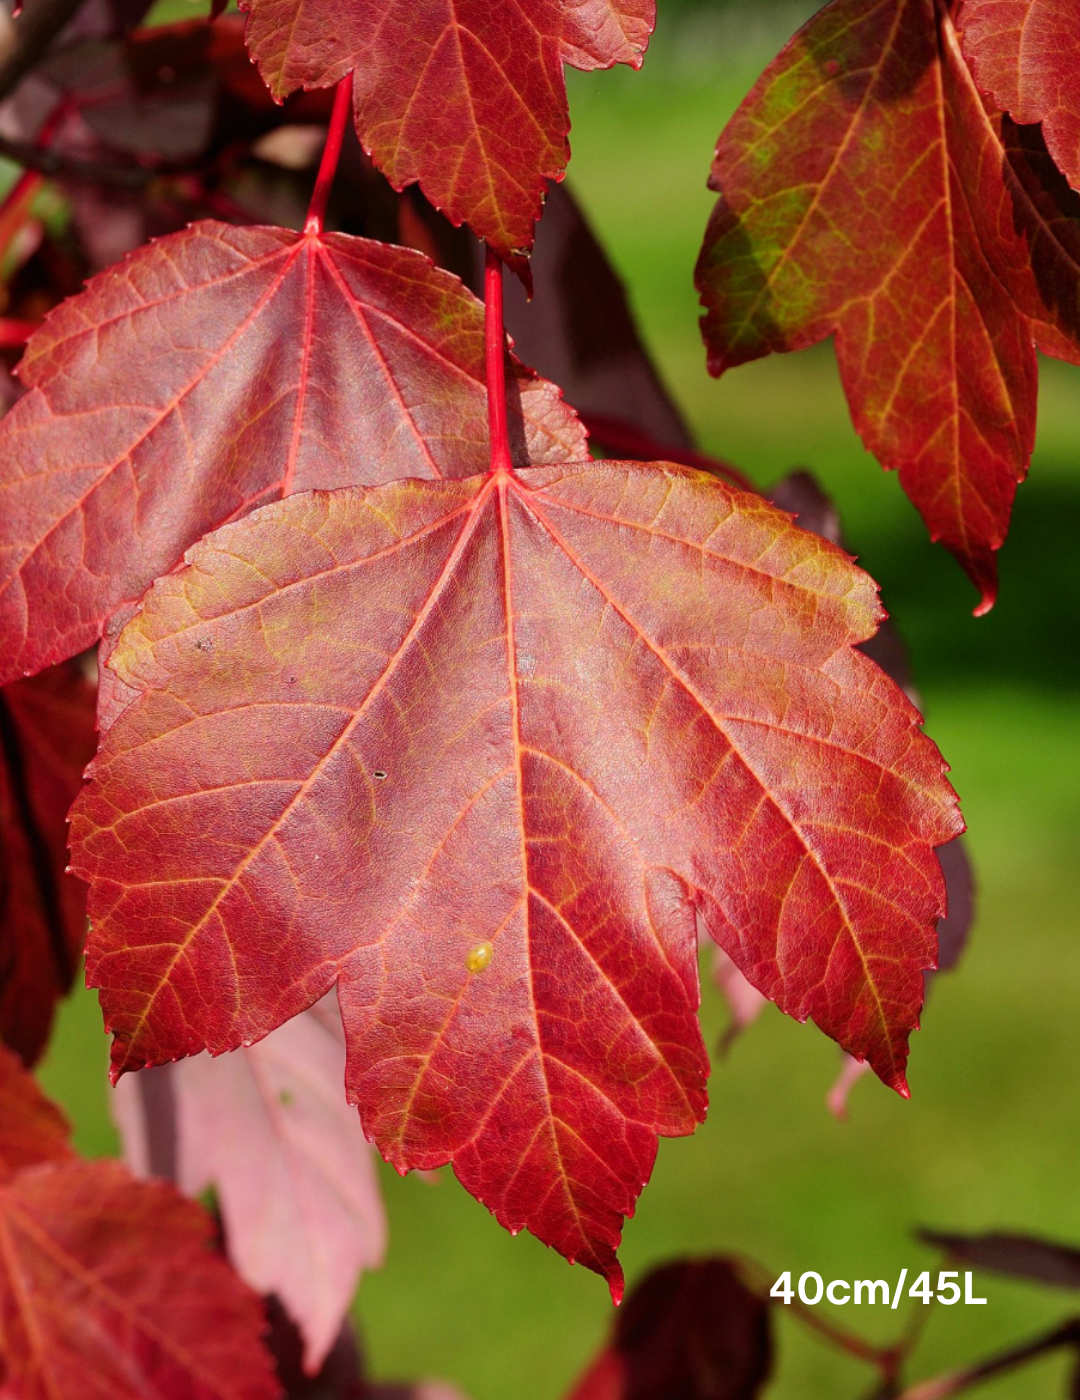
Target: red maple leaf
[(47, 738), (218, 369), (479, 752), (109, 1289), (867, 194), (481, 79), (1026, 54)]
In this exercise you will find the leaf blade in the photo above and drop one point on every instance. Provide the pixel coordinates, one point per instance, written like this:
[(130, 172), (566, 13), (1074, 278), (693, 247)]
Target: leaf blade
[(460, 747), (916, 280), (84, 1313)]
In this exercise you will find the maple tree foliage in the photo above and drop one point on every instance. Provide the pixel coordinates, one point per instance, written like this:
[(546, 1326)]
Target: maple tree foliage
[(482, 79), (214, 371), (429, 712), (47, 737), (85, 1307), (269, 1129), (1025, 55), (868, 193)]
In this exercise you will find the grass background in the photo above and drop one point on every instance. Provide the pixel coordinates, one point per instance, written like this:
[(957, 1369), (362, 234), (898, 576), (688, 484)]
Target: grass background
[(991, 1136)]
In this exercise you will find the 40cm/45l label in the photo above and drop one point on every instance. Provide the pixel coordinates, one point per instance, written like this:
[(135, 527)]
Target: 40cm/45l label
[(812, 1289)]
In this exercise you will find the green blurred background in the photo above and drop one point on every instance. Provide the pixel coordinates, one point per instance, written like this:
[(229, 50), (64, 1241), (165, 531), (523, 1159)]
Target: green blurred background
[(991, 1137)]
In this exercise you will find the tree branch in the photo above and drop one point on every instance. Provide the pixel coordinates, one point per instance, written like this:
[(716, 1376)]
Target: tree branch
[(955, 1382), (35, 30), (60, 165)]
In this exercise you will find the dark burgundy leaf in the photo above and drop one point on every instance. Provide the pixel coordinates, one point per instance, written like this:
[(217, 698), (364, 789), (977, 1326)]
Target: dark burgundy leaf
[(1024, 1256), (688, 1331), (47, 738), (578, 331)]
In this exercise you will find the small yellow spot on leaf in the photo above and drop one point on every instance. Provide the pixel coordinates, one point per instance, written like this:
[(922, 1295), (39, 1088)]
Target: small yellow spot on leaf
[(479, 957)]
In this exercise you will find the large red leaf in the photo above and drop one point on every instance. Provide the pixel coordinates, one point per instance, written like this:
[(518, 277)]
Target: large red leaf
[(269, 1128), (375, 744), (467, 97), (867, 194), (47, 738), (214, 371), (109, 1290), (1026, 56)]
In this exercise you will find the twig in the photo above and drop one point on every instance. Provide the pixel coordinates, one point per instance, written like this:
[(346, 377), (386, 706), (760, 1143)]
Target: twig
[(35, 29), (955, 1382), (58, 164)]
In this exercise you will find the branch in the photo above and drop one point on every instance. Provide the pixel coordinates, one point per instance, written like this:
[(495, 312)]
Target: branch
[(35, 30), (57, 164), (955, 1382)]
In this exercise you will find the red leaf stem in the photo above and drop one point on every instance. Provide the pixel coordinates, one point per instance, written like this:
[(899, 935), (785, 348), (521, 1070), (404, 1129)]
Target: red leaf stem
[(15, 333), (495, 352), (331, 155)]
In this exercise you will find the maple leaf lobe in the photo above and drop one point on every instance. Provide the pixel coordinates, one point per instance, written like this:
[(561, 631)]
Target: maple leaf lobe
[(467, 97)]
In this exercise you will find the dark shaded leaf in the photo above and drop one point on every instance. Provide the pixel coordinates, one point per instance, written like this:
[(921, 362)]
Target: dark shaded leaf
[(688, 1331), (1024, 1256), (47, 738)]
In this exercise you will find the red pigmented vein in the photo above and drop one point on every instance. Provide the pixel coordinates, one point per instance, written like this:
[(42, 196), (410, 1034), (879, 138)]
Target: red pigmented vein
[(198, 716), (27, 1312), (619, 1109), (96, 327), (342, 737), (307, 340), (502, 507), (362, 319), (617, 822), (820, 741), (330, 254), (241, 783), (685, 683), (422, 1063), (743, 565)]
